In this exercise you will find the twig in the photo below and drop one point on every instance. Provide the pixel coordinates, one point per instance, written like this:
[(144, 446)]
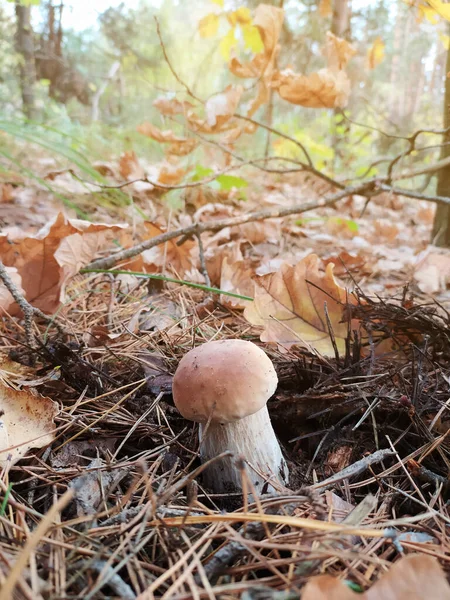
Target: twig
[(107, 576), (355, 469), (197, 228)]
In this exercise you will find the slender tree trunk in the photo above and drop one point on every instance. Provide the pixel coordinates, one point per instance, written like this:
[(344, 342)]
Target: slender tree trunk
[(25, 47), (340, 26), (441, 226)]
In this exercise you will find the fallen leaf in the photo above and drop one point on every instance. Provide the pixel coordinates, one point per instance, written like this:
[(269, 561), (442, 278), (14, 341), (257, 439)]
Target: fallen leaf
[(168, 255), (432, 273), (414, 577), (27, 422), (57, 252), (236, 277), (6, 300), (290, 306)]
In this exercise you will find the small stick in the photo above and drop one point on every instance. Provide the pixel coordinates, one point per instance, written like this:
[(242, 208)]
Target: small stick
[(355, 469)]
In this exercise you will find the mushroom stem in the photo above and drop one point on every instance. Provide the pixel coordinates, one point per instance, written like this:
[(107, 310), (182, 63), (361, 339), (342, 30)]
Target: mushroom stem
[(252, 438)]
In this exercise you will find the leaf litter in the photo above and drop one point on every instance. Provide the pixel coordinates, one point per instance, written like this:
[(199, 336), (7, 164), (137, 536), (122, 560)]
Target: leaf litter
[(130, 448), (339, 299)]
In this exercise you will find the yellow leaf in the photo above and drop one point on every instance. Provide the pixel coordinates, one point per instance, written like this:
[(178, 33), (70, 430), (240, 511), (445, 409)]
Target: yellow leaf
[(218, 2), (429, 14), (445, 39), (441, 8), (243, 15), (252, 38), (325, 9), (375, 54), (209, 25), (290, 305), (227, 43)]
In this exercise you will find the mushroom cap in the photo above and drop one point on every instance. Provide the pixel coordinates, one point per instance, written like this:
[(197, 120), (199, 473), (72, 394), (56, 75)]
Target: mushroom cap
[(225, 380)]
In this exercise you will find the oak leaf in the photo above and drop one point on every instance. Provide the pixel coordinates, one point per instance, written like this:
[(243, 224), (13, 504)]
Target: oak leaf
[(129, 166), (290, 306), (27, 421), (167, 255), (414, 577), (236, 277), (57, 252), (221, 107)]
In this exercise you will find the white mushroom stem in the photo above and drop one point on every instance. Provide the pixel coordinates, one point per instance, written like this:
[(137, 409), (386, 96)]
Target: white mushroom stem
[(252, 438)]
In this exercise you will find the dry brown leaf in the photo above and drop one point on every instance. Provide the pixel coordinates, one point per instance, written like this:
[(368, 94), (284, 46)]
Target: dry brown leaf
[(432, 274), (328, 88), (6, 300), (324, 89), (221, 107), (159, 135), (269, 20), (58, 251), (27, 422), (325, 8), (6, 192), (236, 277), (414, 577), (290, 306), (171, 174), (129, 166), (182, 148), (168, 255), (172, 106), (337, 52)]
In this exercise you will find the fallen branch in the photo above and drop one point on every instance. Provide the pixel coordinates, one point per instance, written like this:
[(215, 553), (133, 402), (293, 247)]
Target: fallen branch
[(198, 228)]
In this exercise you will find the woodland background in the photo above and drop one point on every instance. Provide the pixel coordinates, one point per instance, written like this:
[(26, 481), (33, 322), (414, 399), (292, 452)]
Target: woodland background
[(177, 172)]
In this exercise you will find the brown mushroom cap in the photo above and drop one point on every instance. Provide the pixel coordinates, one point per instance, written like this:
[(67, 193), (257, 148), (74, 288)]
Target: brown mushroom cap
[(225, 380)]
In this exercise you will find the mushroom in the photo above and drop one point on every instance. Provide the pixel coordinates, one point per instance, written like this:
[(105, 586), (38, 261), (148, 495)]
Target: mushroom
[(225, 385)]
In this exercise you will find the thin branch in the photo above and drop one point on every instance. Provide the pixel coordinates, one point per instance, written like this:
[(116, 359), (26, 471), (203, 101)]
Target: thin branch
[(198, 228)]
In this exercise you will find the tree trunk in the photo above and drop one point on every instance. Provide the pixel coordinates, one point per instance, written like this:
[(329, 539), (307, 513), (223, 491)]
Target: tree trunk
[(441, 226), (340, 26), (25, 47)]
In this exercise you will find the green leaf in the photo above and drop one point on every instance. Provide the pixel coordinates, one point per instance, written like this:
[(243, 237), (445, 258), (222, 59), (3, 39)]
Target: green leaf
[(228, 182), (201, 173)]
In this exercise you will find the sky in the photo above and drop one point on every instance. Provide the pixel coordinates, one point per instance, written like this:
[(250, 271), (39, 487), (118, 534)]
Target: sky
[(81, 14)]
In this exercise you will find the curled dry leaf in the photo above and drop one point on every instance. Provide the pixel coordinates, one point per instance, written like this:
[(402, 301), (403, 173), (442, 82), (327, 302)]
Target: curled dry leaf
[(221, 107), (328, 88), (179, 259), (129, 166), (414, 577), (27, 422), (236, 277), (290, 306), (432, 273), (57, 252)]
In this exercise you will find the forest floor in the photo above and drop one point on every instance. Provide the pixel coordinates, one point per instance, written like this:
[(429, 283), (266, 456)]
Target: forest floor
[(112, 505)]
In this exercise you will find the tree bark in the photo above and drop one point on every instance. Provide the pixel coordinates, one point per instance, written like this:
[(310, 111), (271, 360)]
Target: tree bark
[(441, 226), (340, 26), (25, 47)]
